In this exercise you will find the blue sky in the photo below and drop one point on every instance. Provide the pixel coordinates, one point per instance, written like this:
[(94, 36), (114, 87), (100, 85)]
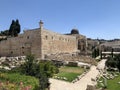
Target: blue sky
[(93, 18)]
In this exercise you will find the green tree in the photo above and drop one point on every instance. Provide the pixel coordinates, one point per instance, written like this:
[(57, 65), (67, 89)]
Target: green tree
[(101, 54), (11, 29), (4, 33), (97, 52), (41, 70), (94, 53), (29, 65), (17, 26), (112, 52), (14, 29), (117, 59), (113, 62), (49, 68)]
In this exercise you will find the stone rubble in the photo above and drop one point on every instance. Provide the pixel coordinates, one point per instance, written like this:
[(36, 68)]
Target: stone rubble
[(71, 57), (11, 62)]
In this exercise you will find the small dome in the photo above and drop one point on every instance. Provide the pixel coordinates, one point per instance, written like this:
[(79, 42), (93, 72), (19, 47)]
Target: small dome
[(74, 31)]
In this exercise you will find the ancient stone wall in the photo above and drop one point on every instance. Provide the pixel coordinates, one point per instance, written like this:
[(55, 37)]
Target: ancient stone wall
[(28, 42), (53, 43), (81, 42), (40, 42)]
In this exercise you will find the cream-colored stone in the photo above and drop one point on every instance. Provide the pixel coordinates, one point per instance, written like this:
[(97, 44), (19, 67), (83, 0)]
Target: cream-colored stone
[(40, 42)]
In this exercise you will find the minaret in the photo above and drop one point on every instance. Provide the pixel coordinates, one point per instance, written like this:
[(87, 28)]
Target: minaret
[(41, 24), (41, 39)]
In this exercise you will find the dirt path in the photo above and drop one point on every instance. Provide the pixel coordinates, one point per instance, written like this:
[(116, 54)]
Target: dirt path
[(82, 83)]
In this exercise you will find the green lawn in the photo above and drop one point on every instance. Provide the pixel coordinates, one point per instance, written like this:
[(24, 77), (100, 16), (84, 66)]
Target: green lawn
[(15, 79), (70, 73), (113, 84)]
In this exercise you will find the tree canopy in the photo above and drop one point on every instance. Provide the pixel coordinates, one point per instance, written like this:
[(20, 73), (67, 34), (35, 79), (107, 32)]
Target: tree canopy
[(95, 52), (4, 33), (14, 29), (42, 70), (113, 62)]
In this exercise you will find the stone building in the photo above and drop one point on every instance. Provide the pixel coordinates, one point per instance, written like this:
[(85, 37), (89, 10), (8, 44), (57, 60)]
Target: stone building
[(81, 41), (109, 45), (40, 42)]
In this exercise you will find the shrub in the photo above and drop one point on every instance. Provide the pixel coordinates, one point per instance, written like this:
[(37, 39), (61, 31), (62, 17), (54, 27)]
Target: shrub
[(113, 62), (41, 70)]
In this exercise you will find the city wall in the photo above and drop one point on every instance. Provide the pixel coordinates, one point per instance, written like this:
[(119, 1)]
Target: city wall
[(26, 43), (40, 42), (54, 43)]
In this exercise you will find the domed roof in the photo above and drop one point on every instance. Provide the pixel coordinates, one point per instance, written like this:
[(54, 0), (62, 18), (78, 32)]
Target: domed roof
[(74, 31)]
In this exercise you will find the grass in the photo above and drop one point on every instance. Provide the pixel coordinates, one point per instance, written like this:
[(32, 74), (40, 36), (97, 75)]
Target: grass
[(16, 78), (70, 73), (113, 84)]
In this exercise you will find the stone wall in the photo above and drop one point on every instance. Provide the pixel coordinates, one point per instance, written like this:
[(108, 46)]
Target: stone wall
[(26, 43), (53, 43), (82, 43), (40, 42)]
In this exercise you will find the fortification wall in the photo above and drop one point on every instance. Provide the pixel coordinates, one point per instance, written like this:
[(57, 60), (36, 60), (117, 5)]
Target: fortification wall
[(28, 42), (39, 42), (53, 43)]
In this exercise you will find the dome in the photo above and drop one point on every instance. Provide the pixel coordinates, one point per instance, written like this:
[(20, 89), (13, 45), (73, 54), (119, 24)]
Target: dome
[(74, 31)]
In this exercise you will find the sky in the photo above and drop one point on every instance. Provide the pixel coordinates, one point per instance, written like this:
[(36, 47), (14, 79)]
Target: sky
[(93, 18)]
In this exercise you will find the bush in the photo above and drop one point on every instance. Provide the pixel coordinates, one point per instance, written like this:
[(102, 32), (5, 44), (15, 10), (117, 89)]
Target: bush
[(113, 62), (41, 70)]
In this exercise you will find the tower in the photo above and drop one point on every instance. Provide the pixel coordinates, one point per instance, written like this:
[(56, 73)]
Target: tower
[(41, 24)]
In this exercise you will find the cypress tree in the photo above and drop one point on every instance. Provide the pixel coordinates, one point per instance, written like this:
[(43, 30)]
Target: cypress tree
[(17, 26), (14, 29), (94, 53), (11, 29), (112, 52), (97, 52), (101, 54)]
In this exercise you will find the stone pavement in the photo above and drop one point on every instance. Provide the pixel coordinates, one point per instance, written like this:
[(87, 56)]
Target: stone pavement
[(82, 83)]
